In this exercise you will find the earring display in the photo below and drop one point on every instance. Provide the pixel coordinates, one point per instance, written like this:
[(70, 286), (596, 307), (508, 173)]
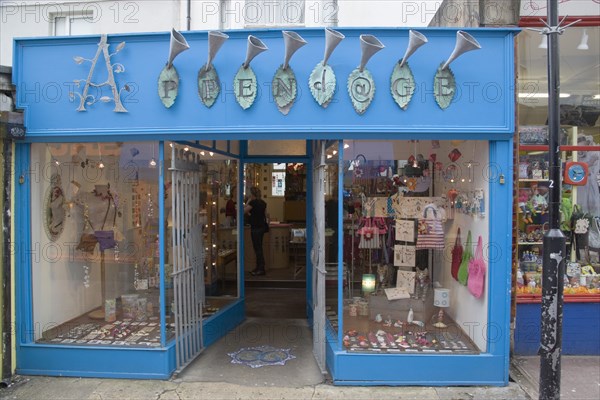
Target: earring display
[(402, 238)]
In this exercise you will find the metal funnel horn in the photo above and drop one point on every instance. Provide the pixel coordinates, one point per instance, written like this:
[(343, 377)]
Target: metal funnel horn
[(464, 43), (255, 47), (332, 39), (215, 41), (369, 45), (178, 44), (415, 40), (292, 42)]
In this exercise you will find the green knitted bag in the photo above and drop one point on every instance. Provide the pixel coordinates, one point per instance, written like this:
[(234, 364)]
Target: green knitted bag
[(463, 270)]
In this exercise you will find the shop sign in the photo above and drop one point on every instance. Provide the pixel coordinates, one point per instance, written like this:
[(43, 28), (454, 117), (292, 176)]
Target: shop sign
[(112, 68)]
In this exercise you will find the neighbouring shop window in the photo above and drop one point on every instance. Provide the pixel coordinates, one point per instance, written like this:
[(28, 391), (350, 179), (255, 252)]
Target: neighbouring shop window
[(580, 203), (408, 207), (95, 220)]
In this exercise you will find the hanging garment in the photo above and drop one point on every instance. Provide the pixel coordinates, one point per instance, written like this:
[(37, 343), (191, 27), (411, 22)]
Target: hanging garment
[(430, 232)]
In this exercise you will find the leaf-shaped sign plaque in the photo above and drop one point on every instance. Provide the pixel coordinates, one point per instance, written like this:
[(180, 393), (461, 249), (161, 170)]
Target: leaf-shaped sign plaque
[(361, 88), (244, 87), (444, 87), (322, 84), (209, 85), (402, 85), (168, 85), (284, 89)]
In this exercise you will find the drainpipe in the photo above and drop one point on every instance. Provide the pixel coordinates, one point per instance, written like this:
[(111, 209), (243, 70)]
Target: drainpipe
[(189, 15)]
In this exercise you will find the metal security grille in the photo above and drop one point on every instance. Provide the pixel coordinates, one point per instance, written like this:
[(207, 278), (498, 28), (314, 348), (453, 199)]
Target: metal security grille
[(188, 256), (318, 254)]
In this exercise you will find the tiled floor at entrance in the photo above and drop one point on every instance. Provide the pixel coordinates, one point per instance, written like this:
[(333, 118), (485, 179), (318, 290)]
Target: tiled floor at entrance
[(276, 317)]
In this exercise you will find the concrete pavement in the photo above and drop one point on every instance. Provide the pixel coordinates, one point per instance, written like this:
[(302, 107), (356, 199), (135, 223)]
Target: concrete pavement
[(46, 388)]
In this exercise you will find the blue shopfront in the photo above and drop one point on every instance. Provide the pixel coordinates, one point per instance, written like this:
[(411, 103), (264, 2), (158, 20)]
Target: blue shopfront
[(124, 269)]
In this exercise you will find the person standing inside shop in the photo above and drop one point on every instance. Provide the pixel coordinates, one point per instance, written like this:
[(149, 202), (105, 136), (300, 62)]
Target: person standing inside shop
[(256, 209)]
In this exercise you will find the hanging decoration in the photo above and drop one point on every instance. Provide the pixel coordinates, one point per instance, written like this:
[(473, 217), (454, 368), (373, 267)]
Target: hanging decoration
[(209, 84), (444, 84), (284, 84), (322, 80), (403, 81), (361, 85), (244, 83), (168, 80)]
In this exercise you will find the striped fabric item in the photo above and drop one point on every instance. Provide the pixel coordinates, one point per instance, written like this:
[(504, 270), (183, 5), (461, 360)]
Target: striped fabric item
[(430, 232)]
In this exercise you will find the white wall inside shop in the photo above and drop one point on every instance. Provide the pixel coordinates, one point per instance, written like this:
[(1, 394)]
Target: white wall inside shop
[(470, 313), (59, 294)]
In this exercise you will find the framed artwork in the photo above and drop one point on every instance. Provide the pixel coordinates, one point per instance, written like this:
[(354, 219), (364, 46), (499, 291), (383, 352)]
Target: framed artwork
[(405, 281), (404, 256), (405, 230)]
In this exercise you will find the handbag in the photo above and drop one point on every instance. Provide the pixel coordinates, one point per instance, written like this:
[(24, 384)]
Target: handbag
[(477, 270), (463, 269), (430, 231), (369, 236), (87, 242), (457, 253)]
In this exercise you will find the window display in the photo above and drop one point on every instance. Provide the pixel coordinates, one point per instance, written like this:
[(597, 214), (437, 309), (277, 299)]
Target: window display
[(96, 261), (97, 277), (408, 290), (579, 213)]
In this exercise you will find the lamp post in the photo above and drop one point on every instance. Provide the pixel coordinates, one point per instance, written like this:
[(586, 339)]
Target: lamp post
[(554, 242)]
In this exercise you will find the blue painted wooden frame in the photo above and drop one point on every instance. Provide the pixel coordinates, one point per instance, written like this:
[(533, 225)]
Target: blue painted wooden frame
[(485, 82), (478, 113), (488, 368)]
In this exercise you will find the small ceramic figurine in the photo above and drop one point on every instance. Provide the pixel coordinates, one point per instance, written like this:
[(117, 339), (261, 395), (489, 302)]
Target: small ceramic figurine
[(378, 318)]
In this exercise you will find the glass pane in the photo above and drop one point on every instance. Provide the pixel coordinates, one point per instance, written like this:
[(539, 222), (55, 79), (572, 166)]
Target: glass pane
[(96, 213), (399, 232), (82, 25), (331, 234), (277, 147), (579, 112)]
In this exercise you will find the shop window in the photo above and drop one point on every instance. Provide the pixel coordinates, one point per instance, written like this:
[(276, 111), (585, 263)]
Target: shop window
[(95, 224), (580, 202), (94, 217), (405, 204), (330, 186)]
